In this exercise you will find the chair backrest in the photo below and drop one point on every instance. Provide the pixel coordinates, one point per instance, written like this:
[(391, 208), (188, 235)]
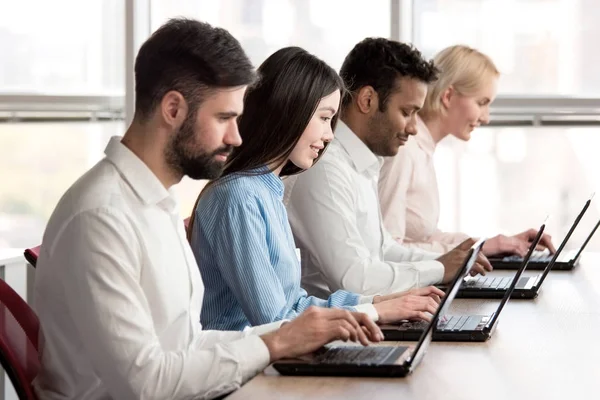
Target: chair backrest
[(32, 254), (19, 329)]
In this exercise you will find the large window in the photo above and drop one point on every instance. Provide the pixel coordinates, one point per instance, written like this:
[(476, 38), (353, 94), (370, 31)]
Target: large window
[(56, 57), (72, 47), (505, 180), (327, 28), (39, 161), (542, 47), (62, 47)]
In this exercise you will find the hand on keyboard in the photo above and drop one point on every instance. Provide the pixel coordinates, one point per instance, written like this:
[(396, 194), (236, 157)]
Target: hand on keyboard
[(431, 291), (409, 306), (536, 256), (502, 244), (455, 258), (545, 241), (517, 245), (316, 327)]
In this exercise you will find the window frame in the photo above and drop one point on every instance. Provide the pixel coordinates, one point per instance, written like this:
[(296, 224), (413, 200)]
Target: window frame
[(507, 110)]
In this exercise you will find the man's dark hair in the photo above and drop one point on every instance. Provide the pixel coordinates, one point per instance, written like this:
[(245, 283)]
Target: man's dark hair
[(379, 62), (190, 57)]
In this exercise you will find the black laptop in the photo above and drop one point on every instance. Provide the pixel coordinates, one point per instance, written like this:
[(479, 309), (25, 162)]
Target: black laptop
[(380, 361), (461, 328), (540, 259), (482, 287)]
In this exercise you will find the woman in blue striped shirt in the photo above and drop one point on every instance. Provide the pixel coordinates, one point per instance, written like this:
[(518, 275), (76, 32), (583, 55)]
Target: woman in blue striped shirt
[(239, 230)]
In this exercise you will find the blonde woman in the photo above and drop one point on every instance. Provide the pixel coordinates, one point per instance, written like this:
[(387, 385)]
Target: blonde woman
[(455, 105)]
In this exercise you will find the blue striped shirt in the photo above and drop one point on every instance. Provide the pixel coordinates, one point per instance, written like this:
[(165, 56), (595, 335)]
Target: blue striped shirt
[(244, 246)]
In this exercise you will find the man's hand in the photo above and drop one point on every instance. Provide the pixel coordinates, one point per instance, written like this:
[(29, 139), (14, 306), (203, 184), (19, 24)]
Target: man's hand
[(409, 306), (316, 327), (435, 293), (455, 258)]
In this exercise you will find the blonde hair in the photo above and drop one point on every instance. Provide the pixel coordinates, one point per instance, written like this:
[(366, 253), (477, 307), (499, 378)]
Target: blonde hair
[(463, 68)]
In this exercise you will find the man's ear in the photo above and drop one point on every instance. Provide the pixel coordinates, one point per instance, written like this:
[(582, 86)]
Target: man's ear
[(367, 99), (173, 109)]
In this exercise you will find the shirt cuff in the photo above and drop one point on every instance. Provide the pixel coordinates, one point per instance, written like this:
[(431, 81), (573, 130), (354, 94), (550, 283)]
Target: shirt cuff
[(253, 356), (368, 309), (365, 300), (264, 329), (431, 255), (430, 272)]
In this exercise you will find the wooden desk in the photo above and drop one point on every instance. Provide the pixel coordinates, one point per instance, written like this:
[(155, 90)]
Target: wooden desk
[(545, 348)]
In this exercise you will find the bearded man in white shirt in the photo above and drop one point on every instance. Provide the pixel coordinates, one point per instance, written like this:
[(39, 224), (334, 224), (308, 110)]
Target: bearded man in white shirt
[(117, 289), (333, 207)]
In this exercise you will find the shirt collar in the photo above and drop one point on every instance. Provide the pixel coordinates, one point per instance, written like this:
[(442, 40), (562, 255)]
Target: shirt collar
[(424, 138), (137, 175), (362, 157), (272, 181)]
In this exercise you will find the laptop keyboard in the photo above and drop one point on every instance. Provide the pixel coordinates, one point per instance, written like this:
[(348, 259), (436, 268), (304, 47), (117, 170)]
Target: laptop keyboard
[(448, 323), (540, 257), (355, 355), (488, 283), (455, 322), (415, 325)]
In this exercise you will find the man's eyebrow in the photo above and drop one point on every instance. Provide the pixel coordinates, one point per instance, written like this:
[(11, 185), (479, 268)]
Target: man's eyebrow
[(228, 114)]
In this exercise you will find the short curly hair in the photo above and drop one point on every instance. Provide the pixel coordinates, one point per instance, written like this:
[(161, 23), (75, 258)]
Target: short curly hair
[(379, 62)]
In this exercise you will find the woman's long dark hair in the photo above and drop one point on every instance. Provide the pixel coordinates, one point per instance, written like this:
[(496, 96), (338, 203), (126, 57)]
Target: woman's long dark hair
[(279, 107), (277, 110)]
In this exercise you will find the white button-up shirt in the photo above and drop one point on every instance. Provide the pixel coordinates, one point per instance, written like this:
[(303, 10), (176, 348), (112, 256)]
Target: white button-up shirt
[(334, 212), (118, 293)]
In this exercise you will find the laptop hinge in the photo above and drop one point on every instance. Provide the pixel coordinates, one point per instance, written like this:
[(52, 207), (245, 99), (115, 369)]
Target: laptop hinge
[(492, 328), (531, 283)]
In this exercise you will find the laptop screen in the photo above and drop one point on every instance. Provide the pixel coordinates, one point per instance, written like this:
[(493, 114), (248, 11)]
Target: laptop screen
[(587, 240), (563, 243), (427, 335), (515, 280)]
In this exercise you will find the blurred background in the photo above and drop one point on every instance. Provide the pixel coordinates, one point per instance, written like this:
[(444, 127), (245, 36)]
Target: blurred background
[(66, 88)]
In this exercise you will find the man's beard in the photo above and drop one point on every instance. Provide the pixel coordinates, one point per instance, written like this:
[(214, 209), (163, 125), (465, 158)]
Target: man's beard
[(181, 154), (380, 134)]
